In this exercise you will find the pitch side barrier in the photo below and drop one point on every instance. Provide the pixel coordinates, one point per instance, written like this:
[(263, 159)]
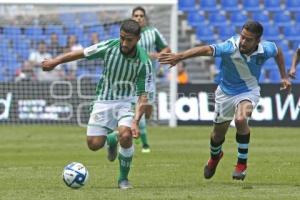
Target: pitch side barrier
[(64, 102), (195, 106)]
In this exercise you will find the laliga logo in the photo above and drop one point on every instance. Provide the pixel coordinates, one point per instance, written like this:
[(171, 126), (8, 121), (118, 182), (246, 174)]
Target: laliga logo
[(198, 108), (5, 103)]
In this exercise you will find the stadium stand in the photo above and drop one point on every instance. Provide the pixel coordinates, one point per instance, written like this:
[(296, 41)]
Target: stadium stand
[(221, 19), (208, 21)]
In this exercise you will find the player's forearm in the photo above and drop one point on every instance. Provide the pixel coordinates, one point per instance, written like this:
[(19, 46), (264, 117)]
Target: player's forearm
[(196, 51), (141, 107), (70, 56), (280, 62), (295, 60)]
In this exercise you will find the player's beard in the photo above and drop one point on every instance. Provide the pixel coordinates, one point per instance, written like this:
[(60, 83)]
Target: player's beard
[(246, 51), (129, 52)]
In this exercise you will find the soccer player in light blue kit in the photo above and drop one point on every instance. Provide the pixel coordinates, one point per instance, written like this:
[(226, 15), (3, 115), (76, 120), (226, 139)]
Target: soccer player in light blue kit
[(238, 91), (127, 74)]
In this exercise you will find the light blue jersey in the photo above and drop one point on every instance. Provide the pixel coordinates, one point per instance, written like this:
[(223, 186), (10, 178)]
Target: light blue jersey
[(240, 73)]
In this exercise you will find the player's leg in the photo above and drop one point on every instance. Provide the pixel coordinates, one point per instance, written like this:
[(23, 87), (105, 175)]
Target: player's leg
[(143, 135), (126, 149), (101, 123), (243, 112), (112, 145), (96, 142), (217, 138), (125, 156), (224, 111)]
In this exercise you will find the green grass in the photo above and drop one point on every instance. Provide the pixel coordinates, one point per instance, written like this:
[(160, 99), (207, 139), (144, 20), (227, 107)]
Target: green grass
[(32, 159)]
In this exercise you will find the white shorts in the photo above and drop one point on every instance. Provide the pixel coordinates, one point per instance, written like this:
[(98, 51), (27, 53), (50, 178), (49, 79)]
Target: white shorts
[(225, 105), (107, 115)]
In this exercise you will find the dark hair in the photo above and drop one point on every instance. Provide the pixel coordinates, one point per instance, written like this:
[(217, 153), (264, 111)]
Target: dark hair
[(131, 26), (138, 8), (254, 27)]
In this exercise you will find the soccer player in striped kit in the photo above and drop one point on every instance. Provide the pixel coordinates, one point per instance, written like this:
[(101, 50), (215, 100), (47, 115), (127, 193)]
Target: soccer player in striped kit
[(238, 91), (127, 74), (154, 43)]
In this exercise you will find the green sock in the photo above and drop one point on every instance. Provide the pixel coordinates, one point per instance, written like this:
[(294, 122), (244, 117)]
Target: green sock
[(143, 131), (112, 138), (124, 166)]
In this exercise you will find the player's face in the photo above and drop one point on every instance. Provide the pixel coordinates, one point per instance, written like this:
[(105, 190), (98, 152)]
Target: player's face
[(139, 16), (128, 43), (248, 42)]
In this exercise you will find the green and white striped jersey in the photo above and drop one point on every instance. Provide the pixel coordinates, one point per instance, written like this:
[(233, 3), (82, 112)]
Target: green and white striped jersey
[(123, 77), (152, 40)]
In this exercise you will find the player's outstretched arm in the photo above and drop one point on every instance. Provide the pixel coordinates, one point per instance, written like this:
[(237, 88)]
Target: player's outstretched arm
[(50, 64), (292, 71), (174, 58), (141, 106), (285, 82)]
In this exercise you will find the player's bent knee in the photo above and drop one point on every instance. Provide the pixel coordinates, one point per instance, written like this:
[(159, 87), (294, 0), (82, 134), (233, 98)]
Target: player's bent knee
[(125, 137), (240, 121), (95, 144)]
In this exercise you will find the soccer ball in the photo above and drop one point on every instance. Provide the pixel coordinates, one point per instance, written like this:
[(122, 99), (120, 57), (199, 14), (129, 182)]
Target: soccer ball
[(75, 175)]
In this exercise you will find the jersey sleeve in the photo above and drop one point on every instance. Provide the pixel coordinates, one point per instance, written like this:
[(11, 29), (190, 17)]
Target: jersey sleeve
[(144, 82), (223, 48), (97, 50), (270, 49), (160, 41)]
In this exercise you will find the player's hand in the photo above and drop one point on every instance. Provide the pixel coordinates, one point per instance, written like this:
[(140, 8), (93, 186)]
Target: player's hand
[(48, 64), (135, 129), (153, 55), (286, 85), (292, 73), (168, 58)]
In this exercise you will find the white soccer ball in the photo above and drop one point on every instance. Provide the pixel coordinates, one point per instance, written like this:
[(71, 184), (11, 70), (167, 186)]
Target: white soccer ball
[(75, 175)]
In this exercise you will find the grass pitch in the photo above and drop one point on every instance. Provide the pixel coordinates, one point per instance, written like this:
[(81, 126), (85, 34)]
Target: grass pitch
[(32, 159)]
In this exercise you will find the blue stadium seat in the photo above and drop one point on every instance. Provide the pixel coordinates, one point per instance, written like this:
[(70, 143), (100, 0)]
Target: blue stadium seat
[(251, 5), (205, 34), (292, 5), (114, 31), (225, 32), (291, 33), (232, 5), (78, 31), (187, 5), (283, 45), (33, 31), (261, 17), (272, 5), (272, 33), (96, 29), (12, 32), (196, 19), (270, 64), (216, 19), (238, 19), (208, 5), (63, 40), (297, 17), (54, 29), (288, 57), (274, 76), (22, 48), (88, 18), (67, 18), (282, 19)]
